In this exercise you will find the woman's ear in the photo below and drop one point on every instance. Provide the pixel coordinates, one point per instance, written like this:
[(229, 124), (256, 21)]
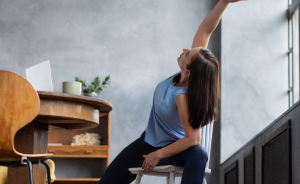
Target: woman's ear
[(187, 73)]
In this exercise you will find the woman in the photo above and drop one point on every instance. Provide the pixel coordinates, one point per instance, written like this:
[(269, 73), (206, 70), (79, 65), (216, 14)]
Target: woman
[(182, 105)]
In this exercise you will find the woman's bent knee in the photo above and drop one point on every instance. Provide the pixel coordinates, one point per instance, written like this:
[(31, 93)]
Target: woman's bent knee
[(197, 152)]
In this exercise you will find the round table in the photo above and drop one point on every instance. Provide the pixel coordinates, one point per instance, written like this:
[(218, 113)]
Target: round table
[(57, 111), (61, 110)]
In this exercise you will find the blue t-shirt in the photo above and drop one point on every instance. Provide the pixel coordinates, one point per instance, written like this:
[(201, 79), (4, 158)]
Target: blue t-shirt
[(164, 124)]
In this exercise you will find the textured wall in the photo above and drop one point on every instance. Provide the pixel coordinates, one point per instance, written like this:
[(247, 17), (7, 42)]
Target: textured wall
[(254, 70), (137, 42)]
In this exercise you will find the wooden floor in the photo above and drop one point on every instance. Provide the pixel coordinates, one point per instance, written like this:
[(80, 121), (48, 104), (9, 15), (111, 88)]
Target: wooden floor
[(76, 180)]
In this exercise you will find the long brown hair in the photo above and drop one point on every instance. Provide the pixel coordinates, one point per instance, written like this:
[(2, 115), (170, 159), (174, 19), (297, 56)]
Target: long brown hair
[(203, 89)]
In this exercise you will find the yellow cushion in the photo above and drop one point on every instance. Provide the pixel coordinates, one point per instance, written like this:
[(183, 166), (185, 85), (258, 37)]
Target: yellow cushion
[(52, 169), (3, 175)]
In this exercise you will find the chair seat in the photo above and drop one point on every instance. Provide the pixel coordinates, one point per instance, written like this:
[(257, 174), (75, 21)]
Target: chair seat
[(42, 156), (31, 157), (163, 170)]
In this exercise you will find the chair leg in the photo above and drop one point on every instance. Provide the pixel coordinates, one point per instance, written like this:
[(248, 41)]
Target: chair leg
[(138, 178), (204, 181), (168, 179), (48, 171), (29, 170), (172, 178)]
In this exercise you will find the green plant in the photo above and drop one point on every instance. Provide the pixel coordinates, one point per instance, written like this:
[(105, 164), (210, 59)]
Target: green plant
[(96, 85)]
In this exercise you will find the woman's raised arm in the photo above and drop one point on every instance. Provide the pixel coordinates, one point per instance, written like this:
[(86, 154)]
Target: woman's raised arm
[(210, 23)]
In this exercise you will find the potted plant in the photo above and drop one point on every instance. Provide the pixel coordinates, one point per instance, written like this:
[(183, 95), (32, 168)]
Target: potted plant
[(95, 87)]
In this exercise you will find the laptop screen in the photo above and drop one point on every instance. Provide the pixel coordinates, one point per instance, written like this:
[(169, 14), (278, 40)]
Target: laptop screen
[(40, 76)]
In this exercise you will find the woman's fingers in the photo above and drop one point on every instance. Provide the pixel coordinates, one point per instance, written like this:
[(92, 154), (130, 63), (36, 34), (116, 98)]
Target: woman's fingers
[(144, 161), (145, 168), (148, 168)]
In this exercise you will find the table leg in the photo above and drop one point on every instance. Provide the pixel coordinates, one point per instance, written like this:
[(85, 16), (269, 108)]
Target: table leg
[(31, 139)]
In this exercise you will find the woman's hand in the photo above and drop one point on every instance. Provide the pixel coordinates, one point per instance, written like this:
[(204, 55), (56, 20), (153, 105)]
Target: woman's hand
[(151, 160), (232, 1)]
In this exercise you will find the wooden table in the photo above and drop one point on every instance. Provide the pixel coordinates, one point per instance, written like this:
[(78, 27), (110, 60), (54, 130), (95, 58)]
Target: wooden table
[(57, 111)]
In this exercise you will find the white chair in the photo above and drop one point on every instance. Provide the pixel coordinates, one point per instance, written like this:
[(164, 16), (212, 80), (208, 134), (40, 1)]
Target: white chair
[(171, 171)]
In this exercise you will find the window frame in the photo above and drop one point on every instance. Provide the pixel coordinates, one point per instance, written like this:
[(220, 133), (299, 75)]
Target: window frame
[(292, 7)]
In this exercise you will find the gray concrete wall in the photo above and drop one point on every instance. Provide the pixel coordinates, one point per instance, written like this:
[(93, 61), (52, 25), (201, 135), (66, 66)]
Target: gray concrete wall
[(254, 75), (137, 42)]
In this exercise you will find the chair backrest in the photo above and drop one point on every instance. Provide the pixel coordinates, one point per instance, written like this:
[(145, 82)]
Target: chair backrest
[(19, 105), (206, 139)]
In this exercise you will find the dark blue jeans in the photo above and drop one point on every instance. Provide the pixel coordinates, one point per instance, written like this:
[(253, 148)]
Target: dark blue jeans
[(193, 160)]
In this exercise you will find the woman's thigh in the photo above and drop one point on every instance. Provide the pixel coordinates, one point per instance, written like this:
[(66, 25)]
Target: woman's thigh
[(194, 153), (193, 160), (131, 156)]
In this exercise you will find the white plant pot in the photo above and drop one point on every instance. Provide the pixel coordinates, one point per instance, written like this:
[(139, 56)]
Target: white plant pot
[(74, 88), (92, 94)]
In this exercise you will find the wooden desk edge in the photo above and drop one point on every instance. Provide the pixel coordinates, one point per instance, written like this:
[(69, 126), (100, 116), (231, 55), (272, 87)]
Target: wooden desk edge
[(102, 104)]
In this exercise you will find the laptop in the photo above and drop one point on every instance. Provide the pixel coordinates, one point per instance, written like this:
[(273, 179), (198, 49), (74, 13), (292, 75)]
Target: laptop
[(40, 76)]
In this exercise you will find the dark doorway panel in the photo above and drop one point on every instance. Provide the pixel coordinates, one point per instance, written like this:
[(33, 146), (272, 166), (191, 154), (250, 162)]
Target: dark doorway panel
[(276, 159)]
